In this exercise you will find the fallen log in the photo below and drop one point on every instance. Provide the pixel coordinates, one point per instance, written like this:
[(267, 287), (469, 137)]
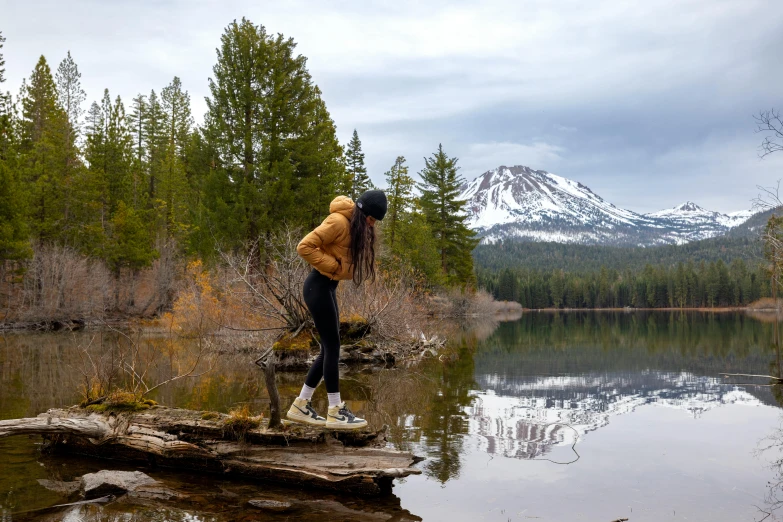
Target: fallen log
[(357, 462)]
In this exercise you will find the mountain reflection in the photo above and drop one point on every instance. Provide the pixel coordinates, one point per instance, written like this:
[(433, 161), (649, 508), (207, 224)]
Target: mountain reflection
[(509, 390), (526, 418)]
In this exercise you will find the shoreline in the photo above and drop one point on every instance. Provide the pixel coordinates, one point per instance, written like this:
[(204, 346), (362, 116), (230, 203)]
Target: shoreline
[(720, 309), (69, 325)]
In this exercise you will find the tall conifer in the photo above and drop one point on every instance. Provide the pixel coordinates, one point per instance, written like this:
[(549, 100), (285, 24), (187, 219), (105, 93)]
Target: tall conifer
[(446, 216), (136, 123), (399, 194), (44, 147), (2, 59), (71, 97), (13, 229), (155, 132), (174, 189), (272, 136), (318, 158), (357, 180)]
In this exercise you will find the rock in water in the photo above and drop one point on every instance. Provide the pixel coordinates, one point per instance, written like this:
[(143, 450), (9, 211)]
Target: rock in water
[(271, 505), (107, 482)]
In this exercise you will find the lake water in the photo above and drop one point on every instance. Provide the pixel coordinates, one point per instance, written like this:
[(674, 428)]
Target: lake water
[(552, 417)]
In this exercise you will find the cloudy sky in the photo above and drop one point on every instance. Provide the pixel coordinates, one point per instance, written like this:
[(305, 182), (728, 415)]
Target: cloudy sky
[(647, 102)]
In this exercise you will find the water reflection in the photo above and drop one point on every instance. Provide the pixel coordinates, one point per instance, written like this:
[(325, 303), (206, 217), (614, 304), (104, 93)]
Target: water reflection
[(534, 379), (507, 392), (526, 418)]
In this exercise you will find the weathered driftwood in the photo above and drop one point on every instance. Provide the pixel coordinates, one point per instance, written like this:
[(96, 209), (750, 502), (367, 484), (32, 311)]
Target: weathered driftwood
[(356, 462)]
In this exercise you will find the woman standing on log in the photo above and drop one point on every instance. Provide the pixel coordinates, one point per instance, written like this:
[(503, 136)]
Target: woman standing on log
[(342, 247)]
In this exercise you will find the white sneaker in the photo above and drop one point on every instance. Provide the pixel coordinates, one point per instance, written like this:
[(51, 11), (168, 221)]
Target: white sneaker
[(302, 411), (341, 418)]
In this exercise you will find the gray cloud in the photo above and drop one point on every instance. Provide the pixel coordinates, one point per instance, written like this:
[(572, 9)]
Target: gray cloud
[(648, 103)]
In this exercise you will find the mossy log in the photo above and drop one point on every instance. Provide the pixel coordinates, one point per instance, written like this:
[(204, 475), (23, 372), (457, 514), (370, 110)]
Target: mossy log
[(357, 462)]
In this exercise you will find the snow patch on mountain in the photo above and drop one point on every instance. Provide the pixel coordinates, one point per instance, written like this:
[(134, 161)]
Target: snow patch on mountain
[(534, 205), (690, 212)]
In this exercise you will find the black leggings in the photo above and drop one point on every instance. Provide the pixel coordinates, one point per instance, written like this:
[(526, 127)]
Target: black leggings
[(321, 300)]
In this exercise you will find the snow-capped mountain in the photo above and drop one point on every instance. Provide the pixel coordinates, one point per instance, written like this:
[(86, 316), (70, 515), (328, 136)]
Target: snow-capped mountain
[(535, 205), (691, 213)]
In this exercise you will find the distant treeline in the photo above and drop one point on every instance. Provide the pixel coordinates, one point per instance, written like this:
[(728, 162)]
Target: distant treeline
[(684, 285), (591, 258)]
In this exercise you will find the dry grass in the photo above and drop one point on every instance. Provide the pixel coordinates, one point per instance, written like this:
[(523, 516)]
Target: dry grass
[(240, 420)]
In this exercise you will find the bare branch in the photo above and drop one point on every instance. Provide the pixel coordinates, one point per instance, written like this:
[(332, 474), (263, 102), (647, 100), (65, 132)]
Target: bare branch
[(770, 122)]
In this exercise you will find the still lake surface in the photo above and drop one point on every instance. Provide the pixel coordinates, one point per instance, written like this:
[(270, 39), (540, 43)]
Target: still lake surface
[(554, 417)]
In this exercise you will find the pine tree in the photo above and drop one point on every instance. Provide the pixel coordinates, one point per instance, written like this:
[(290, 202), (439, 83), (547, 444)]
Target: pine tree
[(174, 193), (557, 288), (319, 166), (136, 123), (92, 192), (265, 119), (155, 125), (446, 216), (290, 108), (415, 251), (119, 153), (357, 180), (71, 94), (44, 149), (2, 59), (14, 244), (71, 97), (109, 181), (130, 245), (399, 193)]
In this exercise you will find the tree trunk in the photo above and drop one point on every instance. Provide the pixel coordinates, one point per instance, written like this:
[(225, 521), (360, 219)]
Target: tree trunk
[(274, 396), (267, 362)]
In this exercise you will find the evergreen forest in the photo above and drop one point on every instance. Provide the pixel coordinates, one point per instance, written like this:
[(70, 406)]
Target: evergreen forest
[(131, 183)]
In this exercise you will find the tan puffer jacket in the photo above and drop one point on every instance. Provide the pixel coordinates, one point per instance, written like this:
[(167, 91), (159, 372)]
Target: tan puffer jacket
[(328, 247)]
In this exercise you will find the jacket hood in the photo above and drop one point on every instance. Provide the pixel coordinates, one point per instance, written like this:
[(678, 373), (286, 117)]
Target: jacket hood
[(342, 205)]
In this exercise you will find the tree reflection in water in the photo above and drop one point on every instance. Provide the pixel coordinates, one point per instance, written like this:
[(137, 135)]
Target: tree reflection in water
[(425, 408)]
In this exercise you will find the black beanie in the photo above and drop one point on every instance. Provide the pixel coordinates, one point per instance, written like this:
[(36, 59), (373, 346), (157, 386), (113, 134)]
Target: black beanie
[(373, 203)]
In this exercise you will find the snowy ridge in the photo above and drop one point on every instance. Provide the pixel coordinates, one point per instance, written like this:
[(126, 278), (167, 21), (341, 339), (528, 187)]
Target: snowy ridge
[(534, 205), (691, 213)]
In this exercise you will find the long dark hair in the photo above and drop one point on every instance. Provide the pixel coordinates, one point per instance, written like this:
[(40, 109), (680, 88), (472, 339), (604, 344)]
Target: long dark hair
[(362, 247)]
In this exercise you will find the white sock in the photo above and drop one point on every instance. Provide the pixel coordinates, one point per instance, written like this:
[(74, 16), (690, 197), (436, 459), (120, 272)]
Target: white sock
[(306, 393), (334, 399)]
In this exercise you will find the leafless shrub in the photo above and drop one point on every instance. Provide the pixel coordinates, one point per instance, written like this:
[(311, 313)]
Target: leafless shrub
[(460, 302), (60, 283), (269, 280), (387, 304), (136, 365)]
